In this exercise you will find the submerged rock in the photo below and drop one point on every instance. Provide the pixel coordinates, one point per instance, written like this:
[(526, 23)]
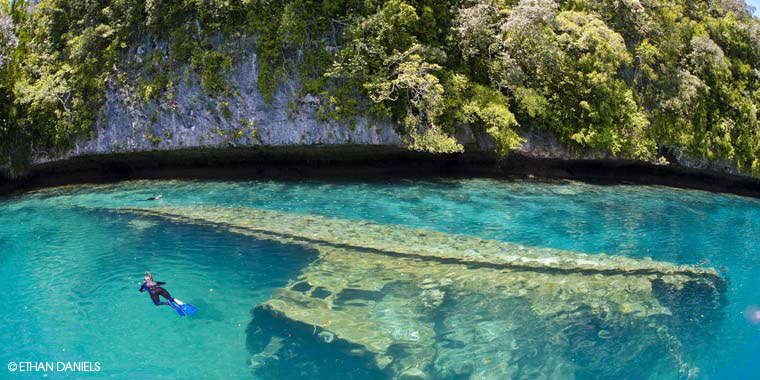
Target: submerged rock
[(269, 353), (419, 304)]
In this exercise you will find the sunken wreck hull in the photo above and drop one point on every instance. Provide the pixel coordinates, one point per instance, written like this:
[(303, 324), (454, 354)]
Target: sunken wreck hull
[(416, 304)]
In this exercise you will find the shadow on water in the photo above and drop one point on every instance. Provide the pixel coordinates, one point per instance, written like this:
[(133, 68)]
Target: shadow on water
[(207, 311), (697, 315), (486, 336), (483, 337), (286, 350)]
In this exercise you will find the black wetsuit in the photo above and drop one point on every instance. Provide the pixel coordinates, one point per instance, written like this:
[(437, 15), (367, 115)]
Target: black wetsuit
[(155, 289)]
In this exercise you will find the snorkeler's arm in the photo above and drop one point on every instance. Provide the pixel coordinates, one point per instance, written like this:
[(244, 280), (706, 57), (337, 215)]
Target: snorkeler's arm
[(160, 283)]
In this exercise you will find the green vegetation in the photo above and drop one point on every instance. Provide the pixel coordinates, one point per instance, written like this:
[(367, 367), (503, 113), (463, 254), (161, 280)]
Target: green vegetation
[(623, 77)]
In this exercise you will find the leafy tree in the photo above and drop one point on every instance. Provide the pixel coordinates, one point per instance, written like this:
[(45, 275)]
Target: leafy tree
[(624, 78), (8, 39)]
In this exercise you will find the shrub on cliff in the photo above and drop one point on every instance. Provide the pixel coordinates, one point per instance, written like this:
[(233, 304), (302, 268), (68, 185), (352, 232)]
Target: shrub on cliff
[(622, 77)]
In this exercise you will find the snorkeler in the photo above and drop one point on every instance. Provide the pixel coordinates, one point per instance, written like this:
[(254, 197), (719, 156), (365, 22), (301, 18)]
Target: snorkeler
[(158, 197), (155, 289)]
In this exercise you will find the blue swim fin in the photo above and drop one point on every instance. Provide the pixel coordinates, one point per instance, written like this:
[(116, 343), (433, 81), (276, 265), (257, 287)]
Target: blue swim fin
[(186, 308), (189, 309), (176, 308)]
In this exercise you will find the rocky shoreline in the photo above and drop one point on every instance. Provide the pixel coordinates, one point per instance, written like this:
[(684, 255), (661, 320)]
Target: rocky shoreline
[(362, 161)]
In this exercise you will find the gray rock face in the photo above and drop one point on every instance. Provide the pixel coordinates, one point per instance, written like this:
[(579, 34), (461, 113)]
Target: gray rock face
[(543, 144), (194, 118), (685, 160)]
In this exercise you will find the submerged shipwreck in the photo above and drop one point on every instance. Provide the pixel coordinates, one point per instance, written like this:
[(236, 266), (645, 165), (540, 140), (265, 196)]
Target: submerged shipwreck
[(417, 304)]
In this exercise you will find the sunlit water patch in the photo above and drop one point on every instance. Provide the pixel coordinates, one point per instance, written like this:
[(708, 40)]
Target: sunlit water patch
[(71, 268)]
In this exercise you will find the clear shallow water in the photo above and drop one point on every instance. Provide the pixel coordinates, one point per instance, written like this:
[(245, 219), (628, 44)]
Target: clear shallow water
[(70, 274)]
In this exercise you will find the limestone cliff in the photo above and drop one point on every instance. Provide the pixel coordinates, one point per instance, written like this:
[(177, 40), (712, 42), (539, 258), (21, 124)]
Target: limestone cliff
[(194, 118), (187, 116)]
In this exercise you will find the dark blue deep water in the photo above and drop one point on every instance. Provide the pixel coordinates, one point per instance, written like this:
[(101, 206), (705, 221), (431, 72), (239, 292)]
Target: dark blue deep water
[(69, 271)]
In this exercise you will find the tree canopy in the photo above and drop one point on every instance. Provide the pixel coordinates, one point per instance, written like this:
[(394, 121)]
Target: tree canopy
[(620, 77)]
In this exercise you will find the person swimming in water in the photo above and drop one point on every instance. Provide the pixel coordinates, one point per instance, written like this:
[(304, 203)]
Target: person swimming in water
[(158, 197), (154, 289)]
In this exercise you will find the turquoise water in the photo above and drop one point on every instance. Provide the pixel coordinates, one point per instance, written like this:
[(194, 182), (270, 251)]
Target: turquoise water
[(70, 273)]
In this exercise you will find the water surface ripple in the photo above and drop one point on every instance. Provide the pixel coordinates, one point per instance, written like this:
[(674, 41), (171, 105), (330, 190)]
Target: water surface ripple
[(70, 273)]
